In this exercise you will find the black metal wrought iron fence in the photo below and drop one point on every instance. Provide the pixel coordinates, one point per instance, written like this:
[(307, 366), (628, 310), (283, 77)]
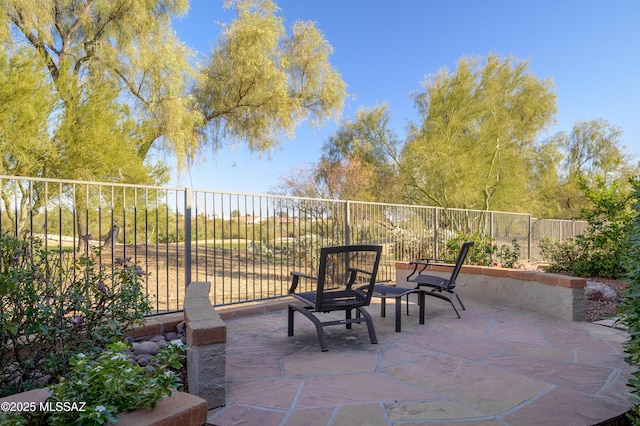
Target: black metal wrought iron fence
[(244, 244)]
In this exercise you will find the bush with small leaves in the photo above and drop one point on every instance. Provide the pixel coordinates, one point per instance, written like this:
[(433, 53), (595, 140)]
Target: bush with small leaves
[(482, 252), (110, 384), (509, 256), (53, 306), (630, 309), (601, 250)]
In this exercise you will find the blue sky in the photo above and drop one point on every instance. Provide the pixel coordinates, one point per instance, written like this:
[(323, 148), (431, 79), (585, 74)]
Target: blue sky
[(384, 50)]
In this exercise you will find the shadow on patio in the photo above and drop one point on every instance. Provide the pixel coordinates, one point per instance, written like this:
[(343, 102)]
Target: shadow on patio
[(495, 366)]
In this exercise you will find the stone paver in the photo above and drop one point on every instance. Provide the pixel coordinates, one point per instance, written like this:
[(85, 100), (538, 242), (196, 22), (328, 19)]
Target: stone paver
[(357, 388), (495, 366)]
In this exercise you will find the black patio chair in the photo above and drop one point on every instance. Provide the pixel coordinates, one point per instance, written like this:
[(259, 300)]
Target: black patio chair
[(345, 281), (442, 288)]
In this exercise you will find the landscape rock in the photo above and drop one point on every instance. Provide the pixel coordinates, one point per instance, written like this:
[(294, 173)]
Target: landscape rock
[(599, 291), (146, 347)]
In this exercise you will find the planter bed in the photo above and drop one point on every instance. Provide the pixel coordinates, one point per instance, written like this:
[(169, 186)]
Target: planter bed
[(179, 409)]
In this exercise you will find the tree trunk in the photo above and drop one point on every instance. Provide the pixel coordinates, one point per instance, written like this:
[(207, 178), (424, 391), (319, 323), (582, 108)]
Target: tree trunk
[(83, 237), (112, 237)]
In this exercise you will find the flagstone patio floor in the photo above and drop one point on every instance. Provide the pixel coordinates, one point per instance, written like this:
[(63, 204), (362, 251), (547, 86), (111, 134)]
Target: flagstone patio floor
[(494, 366)]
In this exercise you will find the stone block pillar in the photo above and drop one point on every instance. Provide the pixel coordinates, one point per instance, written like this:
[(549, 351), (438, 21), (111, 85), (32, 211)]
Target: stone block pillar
[(206, 337)]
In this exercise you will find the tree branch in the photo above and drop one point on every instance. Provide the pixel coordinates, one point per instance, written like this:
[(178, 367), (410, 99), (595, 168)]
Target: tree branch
[(39, 46)]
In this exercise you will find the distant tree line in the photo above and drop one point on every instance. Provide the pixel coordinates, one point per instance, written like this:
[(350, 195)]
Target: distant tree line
[(477, 145)]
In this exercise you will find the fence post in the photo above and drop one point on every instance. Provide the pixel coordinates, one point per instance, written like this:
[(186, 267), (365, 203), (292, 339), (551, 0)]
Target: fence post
[(491, 233), (435, 234), (529, 239), (187, 236), (491, 226), (347, 226)]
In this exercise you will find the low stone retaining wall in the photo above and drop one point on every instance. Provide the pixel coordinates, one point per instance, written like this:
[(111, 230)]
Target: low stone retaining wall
[(559, 296)]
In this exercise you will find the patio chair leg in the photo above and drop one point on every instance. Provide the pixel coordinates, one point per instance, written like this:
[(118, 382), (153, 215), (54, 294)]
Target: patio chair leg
[(421, 302), (399, 313), (434, 293), (314, 320), (454, 308), (347, 314), (370, 328), (460, 301), (290, 322)]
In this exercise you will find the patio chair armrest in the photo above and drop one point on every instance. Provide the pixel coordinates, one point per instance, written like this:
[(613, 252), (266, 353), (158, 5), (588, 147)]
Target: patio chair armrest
[(353, 272), (417, 264), (296, 278), (356, 270)]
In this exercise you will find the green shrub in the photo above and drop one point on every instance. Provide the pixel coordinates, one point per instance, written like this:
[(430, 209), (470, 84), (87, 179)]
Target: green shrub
[(109, 384), (482, 252), (561, 255), (630, 309), (53, 307), (410, 245), (509, 256), (601, 250)]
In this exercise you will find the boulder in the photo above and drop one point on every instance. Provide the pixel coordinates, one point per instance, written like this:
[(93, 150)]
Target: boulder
[(150, 348), (599, 291)]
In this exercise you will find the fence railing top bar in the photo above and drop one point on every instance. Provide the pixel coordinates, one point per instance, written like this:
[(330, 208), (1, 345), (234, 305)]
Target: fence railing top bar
[(559, 220), (288, 197), (450, 209), (372, 203), (92, 183)]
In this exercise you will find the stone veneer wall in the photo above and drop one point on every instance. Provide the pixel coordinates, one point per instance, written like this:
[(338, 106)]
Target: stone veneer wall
[(559, 296), (206, 338)]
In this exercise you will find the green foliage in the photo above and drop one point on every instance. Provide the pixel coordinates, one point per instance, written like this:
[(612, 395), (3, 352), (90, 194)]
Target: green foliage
[(365, 148), (509, 256), (261, 82), (593, 153), (26, 148), (88, 79), (110, 384), (52, 307), (602, 249), (561, 255), (409, 244), (630, 309), (478, 134), (481, 253), (12, 419), (305, 250)]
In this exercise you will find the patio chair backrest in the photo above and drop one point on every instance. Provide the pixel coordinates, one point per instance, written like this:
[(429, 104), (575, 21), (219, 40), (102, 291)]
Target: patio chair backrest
[(461, 257), (350, 269)]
